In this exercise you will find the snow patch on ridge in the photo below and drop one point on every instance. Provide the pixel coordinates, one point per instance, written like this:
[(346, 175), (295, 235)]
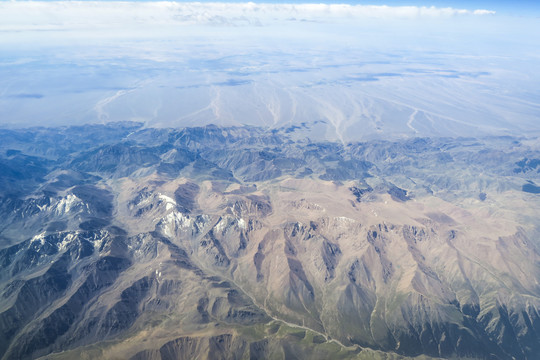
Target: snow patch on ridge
[(242, 224), (175, 221), (66, 204), (39, 238), (65, 242), (170, 204)]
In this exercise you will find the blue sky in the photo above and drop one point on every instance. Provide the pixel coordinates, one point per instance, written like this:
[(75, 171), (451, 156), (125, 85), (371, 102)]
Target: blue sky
[(509, 7)]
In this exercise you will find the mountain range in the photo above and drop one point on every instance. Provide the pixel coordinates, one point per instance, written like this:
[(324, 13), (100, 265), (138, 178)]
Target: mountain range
[(122, 241)]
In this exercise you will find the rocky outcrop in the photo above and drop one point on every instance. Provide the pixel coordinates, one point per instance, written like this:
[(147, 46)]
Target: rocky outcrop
[(241, 243)]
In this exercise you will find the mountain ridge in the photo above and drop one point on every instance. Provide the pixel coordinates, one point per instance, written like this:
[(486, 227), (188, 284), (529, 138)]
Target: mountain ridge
[(244, 242)]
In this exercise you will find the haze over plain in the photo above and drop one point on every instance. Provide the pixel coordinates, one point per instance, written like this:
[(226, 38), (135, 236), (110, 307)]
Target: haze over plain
[(346, 72)]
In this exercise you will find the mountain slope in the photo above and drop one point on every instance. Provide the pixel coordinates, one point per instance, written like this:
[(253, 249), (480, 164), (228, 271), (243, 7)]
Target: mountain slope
[(242, 242)]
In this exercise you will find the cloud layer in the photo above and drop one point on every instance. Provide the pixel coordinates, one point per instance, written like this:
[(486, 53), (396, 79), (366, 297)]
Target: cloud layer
[(78, 14)]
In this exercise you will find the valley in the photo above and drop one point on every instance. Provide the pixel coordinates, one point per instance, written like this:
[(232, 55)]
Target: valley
[(133, 242)]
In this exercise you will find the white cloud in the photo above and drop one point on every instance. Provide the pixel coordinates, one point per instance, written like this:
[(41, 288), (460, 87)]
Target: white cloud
[(483, 12), (78, 14)]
